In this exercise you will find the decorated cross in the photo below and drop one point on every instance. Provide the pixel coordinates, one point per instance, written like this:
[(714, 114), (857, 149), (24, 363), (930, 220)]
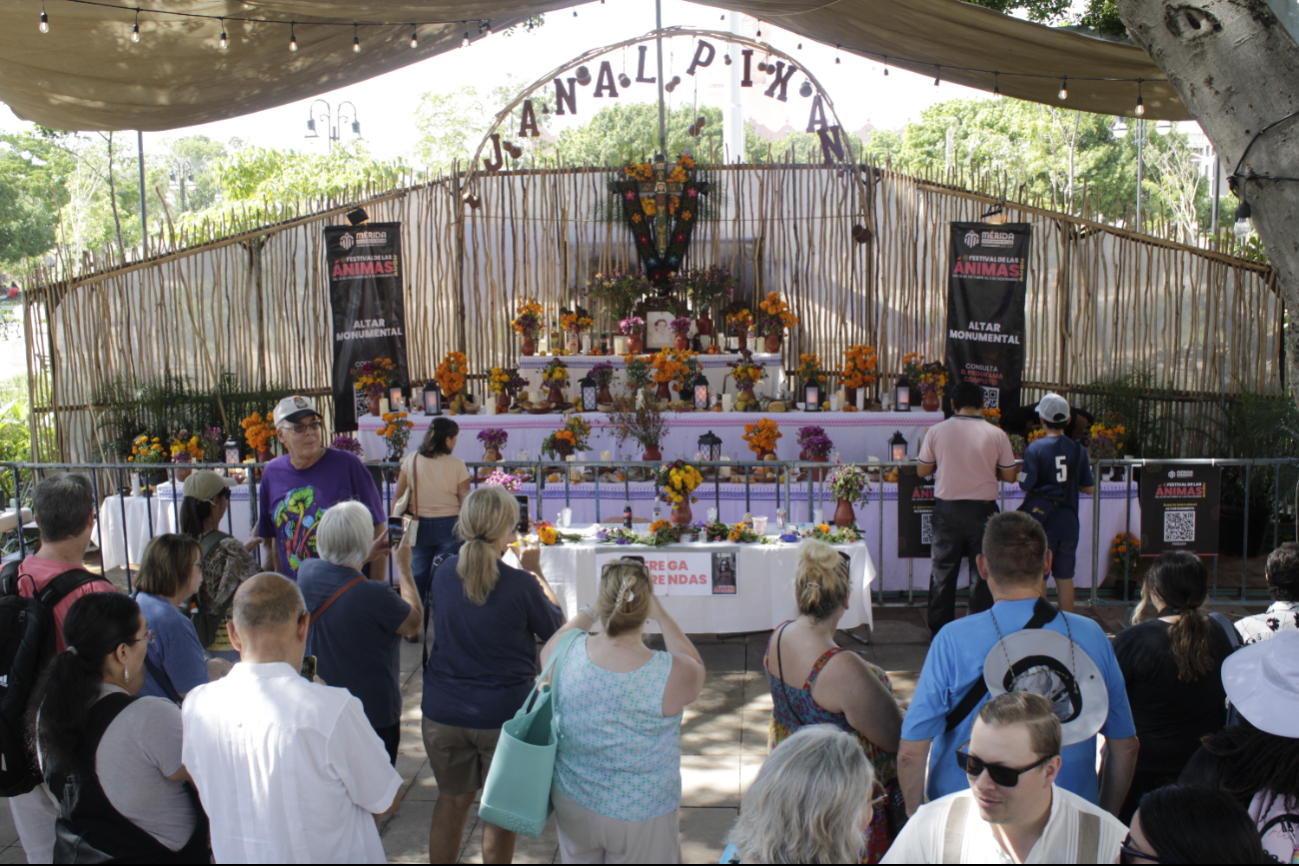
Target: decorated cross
[(661, 206)]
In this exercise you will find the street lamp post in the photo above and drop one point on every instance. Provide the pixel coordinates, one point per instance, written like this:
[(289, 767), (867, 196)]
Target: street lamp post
[(331, 120), (1120, 129), (181, 171)]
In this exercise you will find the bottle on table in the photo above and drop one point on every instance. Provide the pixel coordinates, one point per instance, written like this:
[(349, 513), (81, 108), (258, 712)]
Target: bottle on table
[(626, 516)]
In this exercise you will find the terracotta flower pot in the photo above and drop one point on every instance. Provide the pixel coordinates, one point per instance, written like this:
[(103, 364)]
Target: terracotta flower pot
[(663, 391), (849, 396), (556, 394), (635, 344), (844, 516), (183, 472), (820, 474), (931, 401), (748, 395), (374, 404), (681, 513), (681, 342), (603, 396), (502, 402), (563, 449), (491, 455), (771, 343), (743, 338), (528, 347), (705, 325), (265, 455), (652, 454)]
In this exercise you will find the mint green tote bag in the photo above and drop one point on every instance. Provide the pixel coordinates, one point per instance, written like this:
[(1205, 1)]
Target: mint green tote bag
[(516, 795)]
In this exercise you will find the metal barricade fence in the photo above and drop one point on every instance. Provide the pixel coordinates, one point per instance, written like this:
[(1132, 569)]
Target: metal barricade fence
[(111, 479)]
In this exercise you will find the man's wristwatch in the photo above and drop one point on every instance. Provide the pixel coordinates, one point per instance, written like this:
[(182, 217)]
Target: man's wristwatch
[(586, 609)]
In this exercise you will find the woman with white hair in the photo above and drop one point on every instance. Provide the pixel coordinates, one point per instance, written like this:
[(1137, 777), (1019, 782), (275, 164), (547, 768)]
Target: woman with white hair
[(811, 802), (487, 619), (617, 784), (356, 622)]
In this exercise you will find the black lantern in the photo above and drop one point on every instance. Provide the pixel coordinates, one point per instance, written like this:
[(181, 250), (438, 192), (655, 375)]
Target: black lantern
[(232, 452), (897, 447), (588, 389), (710, 446), (812, 395), (902, 395), (433, 399), (700, 385)]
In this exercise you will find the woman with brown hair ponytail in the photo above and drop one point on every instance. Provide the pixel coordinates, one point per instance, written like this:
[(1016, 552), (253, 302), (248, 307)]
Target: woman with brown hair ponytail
[(1172, 668)]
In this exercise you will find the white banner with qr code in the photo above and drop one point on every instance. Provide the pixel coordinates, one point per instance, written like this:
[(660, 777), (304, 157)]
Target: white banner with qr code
[(1179, 526)]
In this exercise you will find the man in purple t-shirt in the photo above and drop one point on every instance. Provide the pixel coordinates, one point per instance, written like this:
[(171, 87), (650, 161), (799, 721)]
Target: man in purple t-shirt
[(299, 487)]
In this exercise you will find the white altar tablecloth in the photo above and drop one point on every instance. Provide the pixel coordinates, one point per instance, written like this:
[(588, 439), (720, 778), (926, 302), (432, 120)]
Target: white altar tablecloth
[(150, 516), (856, 435), (764, 583)]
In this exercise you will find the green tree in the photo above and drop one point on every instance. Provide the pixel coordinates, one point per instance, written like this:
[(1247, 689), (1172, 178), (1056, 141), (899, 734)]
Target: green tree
[(452, 124), (32, 190), (623, 131), (253, 174)]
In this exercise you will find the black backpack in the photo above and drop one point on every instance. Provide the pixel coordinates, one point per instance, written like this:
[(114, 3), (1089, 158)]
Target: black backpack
[(26, 646)]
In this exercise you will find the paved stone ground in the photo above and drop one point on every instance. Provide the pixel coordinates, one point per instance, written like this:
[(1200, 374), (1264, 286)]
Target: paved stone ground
[(723, 741)]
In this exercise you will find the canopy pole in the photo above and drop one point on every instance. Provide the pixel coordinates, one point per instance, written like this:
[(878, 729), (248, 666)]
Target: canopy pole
[(144, 222), (663, 123)]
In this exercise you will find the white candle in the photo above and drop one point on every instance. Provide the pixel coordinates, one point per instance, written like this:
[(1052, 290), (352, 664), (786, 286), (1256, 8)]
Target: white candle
[(861, 398), (620, 345), (383, 405), (727, 402), (640, 398), (605, 456), (725, 471), (491, 406), (834, 402)]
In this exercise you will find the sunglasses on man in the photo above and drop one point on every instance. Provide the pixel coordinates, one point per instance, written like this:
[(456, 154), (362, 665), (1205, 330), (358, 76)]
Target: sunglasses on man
[(1001, 775)]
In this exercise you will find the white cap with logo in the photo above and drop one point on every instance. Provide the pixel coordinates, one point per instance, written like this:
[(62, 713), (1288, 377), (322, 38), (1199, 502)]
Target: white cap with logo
[(293, 409), (1053, 408)]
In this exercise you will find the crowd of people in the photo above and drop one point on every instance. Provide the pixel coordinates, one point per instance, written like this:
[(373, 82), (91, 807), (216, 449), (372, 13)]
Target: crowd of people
[(222, 713)]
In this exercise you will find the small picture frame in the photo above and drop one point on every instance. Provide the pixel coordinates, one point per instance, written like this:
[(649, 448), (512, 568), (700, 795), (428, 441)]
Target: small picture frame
[(724, 578), (658, 334)]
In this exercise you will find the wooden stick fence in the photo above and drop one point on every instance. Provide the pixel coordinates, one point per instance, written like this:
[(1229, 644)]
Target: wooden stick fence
[(1102, 301)]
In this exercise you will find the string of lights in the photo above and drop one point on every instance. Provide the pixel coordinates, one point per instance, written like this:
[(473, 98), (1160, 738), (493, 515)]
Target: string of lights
[(484, 27)]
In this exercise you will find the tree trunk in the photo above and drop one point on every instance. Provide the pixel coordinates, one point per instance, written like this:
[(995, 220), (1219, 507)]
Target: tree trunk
[(112, 198), (1237, 70)]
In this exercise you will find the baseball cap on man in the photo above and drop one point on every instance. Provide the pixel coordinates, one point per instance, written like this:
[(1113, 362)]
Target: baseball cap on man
[(293, 409), (1053, 408), (205, 485)]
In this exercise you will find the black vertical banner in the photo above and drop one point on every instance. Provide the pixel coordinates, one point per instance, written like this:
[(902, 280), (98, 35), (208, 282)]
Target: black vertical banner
[(365, 292), (1180, 509), (985, 309), (915, 511)]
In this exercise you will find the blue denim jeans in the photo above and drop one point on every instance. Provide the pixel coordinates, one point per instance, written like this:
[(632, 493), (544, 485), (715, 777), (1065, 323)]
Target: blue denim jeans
[(435, 539)]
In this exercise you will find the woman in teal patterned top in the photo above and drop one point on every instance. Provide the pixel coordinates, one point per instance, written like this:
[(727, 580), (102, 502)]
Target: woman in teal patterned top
[(617, 785)]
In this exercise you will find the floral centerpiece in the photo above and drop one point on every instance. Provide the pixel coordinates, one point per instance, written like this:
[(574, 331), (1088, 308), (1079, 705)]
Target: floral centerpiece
[(396, 432), (814, 443), (776, 317), (809, 370), (528, 322), (669, 369), (848, 484), (505, 383), (859, 363), (555, 376), (576, 323), (618, 291), (548, 535), (639, 373), (706, 289), (739, 323), (992, 416), (493, 439), (259, 432), (933, 379), (348, 443), (746, 373), (567, 439), (762, 436), (499, 478), (736, 533), (1125, 562), (212, 443), (147, 450), (633, 328), (679, 480), (602, 372), (186, 448), (643, 423), (451, 375), (681, 327), (374, 378), (1105, 441), (835, 535)]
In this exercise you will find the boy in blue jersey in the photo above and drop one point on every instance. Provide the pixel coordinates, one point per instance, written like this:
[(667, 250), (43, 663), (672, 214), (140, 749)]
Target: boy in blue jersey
[(1056, 470)]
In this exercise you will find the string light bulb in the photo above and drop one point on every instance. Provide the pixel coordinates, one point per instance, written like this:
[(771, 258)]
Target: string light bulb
[(487, 28), (1140, 110), (1243, 227), (1064, 88), (836, 54), (886, 65), (293, 36), (223, 42), (464, 41), (414, 36), (135, 28), (45, 19), (938, 75), (996, 85), (356, 40)]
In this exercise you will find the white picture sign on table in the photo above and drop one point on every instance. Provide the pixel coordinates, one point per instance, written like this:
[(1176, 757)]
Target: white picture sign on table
[(675, 572)]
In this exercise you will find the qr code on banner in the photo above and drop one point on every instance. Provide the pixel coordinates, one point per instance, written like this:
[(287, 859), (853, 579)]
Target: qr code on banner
[(991, 397), (927, 528), (1179, 526)]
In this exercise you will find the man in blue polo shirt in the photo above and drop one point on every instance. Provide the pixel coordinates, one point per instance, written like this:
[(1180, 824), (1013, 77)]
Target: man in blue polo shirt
[(1056, 470), (951, 687)]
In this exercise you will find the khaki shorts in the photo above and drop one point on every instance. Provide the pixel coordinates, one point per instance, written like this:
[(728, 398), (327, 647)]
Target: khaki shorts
[(459, 757)]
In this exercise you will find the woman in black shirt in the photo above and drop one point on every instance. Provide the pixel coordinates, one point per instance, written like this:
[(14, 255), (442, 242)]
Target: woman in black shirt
[(1172, 669)]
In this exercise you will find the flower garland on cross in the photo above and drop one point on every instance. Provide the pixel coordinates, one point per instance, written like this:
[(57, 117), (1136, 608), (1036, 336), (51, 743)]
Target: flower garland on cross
[(661, 205)]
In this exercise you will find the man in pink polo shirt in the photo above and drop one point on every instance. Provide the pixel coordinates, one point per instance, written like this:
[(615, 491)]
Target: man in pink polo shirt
[(970, 456)]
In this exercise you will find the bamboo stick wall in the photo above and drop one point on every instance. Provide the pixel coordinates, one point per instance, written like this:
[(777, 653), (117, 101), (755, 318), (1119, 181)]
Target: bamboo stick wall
[(1101, 301)]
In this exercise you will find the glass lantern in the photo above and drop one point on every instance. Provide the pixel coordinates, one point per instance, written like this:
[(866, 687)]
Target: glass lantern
[(395, 399), (433, 399), (902, 395), (231, 449), (700, 386), (416, 400), (710, 447), (588, 389), (897, 447), (812, 396)]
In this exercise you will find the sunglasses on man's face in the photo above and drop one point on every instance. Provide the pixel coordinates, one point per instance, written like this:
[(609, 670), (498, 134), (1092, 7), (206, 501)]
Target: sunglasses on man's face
[(1002, 776)]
